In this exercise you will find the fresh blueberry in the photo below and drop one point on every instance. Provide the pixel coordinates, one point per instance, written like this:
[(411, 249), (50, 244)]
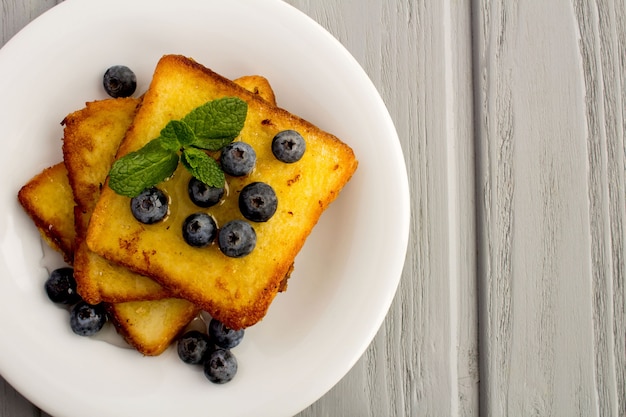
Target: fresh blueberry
[(258, 202), (223, 336), (87, 319), (221, 366), (193, 347), (236, 239), (238, 159), (119, 81), (150, 206), (199, 229), (61, 286), (204, 195), (288, 146)]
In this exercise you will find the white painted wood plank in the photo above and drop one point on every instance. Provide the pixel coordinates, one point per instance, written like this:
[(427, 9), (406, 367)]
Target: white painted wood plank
[(550, 161), (15, 14), (602, 28), (12, 404)]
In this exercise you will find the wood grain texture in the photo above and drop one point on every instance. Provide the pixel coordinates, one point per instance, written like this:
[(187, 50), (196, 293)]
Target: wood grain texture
[(550, 178), (603, 23), (15, 14)]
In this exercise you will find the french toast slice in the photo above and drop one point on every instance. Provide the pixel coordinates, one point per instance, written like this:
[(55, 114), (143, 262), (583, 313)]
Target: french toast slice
[(151, 326), (148, 326), (92, 136), (236, 291), (48, 200)]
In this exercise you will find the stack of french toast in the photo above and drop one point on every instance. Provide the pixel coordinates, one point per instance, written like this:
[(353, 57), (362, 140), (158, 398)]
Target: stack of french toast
[(152, 282)]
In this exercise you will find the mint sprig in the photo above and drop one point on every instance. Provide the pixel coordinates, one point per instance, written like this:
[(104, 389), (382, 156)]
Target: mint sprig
[(203, 167), (141, 169), (216, 123), (210, 126)]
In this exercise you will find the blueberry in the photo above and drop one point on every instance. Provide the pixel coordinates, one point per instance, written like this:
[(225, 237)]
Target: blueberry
[(61, 286), (221, 366), (258, 202), (236, 239), (238, 159), (222, 336), (119, 81), (193, 347), (204, 195), (199, 229), (288, 146), (87, 319), (150, 206)]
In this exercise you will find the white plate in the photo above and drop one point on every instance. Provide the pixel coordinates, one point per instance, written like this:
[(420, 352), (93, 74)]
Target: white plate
[(346, 275)]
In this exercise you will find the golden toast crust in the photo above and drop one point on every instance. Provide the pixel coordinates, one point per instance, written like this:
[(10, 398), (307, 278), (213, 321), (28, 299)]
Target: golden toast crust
[(40, 199), (236, 291), (91, 137), (142, 323)]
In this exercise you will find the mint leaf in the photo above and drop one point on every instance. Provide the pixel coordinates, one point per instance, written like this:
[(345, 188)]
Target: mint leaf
[(203, 167), (216, 123), (146, 167), (176, 134), (210, 126)]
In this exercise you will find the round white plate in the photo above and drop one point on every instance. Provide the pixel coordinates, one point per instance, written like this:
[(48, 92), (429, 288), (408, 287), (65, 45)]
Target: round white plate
[(346, 275)]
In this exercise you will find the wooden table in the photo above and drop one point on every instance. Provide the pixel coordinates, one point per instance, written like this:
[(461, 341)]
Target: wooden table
[(512, 117)]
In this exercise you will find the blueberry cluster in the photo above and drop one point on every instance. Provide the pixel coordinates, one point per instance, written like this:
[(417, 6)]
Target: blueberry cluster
[(257, 201), (211, 350), (85, 319)]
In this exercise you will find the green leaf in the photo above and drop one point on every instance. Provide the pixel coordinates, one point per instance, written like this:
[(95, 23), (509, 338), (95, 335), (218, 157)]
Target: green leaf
[(176, 134), (203, 167), (211, 126), (217, 122), (146, 167)]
